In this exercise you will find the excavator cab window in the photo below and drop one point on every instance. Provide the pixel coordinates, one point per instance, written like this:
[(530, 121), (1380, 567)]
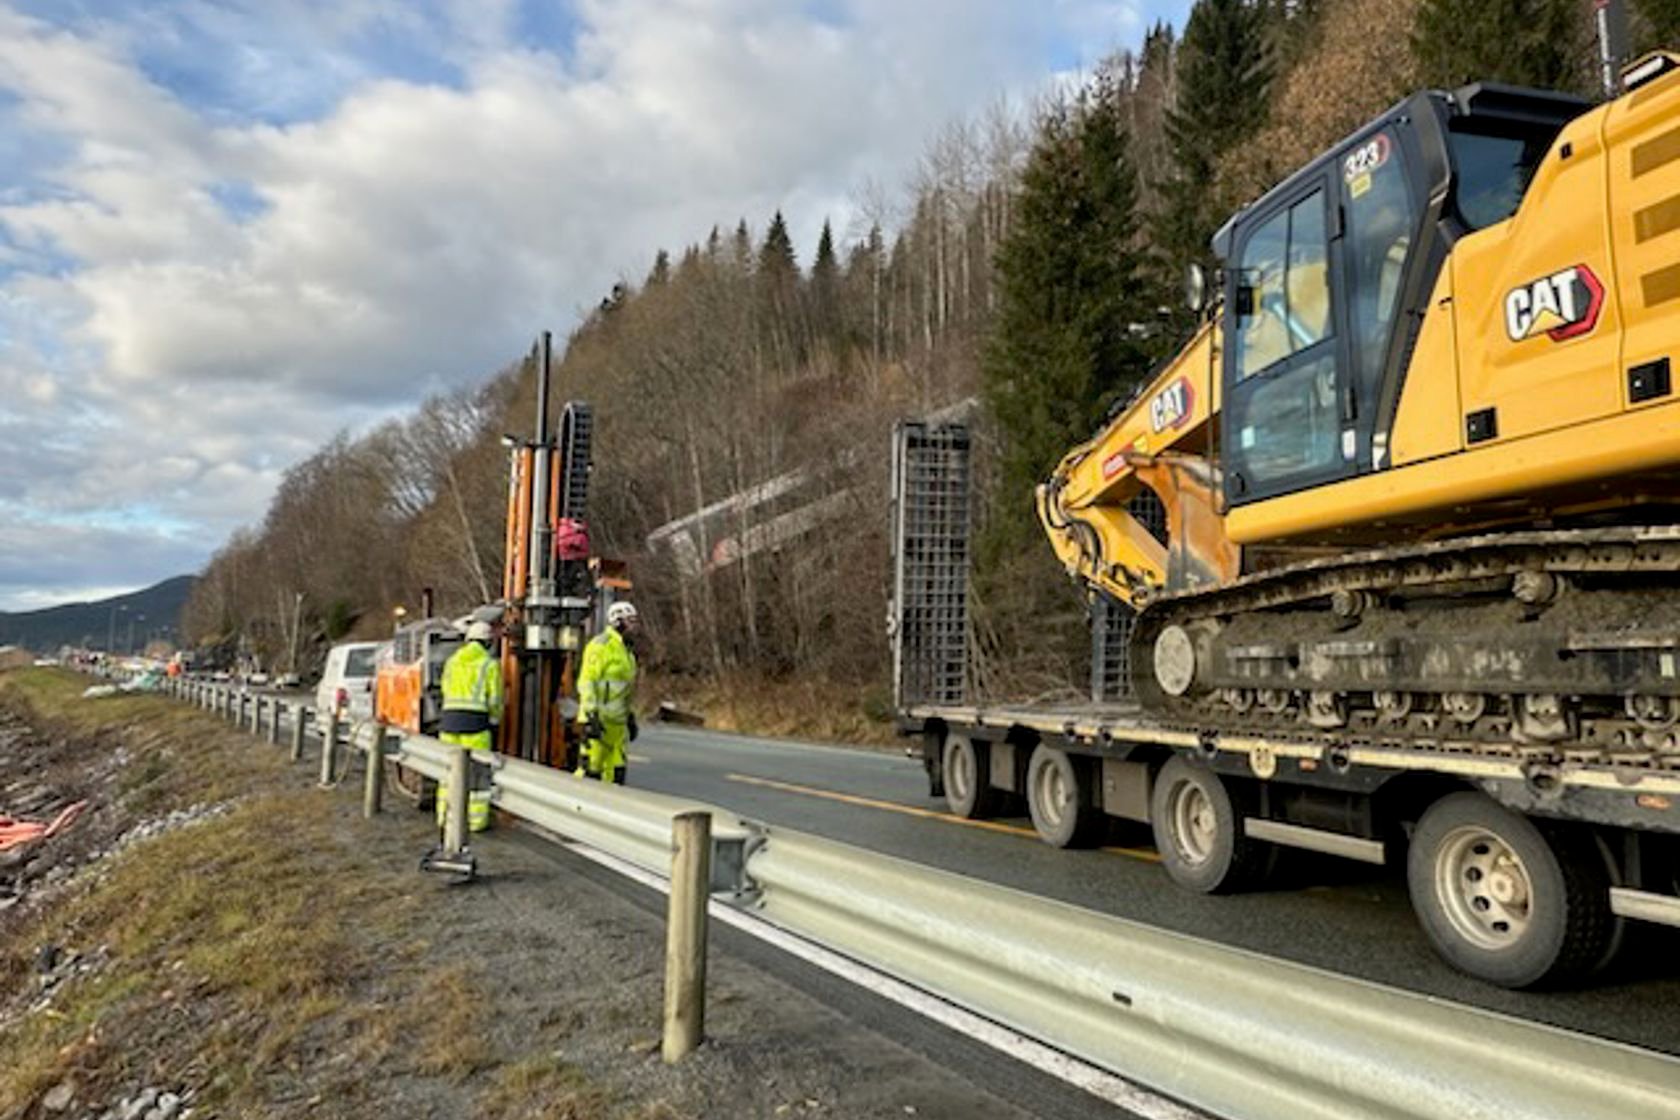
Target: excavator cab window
[(1491, 171), (1283, 399)]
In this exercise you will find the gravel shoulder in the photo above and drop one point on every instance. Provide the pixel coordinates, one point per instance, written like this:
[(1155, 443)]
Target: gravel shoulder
[(217, 937)]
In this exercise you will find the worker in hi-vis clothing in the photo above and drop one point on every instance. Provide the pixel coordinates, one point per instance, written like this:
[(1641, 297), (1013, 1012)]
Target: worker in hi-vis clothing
[(472, 706), (606, 686)]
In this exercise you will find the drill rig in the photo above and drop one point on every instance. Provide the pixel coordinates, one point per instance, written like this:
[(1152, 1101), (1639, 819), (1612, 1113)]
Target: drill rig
[(1420, 466), (546, 579)]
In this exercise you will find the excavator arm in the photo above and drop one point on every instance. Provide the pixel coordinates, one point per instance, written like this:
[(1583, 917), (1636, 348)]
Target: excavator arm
[(1092, 506)]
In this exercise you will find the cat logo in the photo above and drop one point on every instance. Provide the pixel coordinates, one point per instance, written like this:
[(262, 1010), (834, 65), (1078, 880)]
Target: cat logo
[(1171, 406), (1561, 306)]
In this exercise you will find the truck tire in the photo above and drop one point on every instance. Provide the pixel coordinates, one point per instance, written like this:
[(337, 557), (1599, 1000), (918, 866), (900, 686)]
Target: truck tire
[(967, 773), (1504, 901), (1199, 835), (1063, 799)]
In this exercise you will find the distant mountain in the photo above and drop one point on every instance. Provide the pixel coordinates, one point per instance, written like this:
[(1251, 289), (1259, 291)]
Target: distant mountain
[(154, 611)]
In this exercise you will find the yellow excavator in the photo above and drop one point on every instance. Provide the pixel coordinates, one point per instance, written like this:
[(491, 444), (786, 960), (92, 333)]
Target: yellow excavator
[(1420, 466)]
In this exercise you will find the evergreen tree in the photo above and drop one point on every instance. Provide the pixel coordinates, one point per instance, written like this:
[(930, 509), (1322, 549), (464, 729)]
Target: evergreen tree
[(1543, 43), (743, 250), (825, 285), (661, 270), (1660, 25), (1064, 347), (775, 258), (1224, 78)]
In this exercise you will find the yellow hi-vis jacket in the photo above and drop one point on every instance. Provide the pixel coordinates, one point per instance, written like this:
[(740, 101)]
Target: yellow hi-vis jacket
[(606, 682), (472, 687)]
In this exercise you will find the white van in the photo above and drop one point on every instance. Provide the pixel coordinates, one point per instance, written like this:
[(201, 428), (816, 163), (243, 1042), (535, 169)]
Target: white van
[(347, 681)]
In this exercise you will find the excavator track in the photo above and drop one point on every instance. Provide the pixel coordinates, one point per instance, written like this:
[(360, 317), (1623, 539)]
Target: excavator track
[(1550, 646)]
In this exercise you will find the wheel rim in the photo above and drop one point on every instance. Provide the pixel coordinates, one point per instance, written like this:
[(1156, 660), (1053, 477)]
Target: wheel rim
[(1483, 888), (1051, 794), (959, 771), (1195, 825)]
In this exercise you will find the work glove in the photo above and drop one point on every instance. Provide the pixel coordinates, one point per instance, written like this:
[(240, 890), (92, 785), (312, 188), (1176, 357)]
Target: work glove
[(633, 729), (592, 727)]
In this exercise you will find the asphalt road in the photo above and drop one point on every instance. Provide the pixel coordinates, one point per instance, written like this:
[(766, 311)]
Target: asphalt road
[(1333, 914)]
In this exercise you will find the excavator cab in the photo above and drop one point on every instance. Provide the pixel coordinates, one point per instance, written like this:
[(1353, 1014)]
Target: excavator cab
[(1328, 276)]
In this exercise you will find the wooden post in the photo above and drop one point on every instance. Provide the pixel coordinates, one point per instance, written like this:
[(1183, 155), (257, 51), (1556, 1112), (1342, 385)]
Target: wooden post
[(374, 778), (685, 934), (299, 719), (274, 720), (256, 713), (329, 747), (455, 820)]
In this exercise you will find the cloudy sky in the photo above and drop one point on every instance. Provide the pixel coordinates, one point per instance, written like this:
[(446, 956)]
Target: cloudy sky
[(230, 227)]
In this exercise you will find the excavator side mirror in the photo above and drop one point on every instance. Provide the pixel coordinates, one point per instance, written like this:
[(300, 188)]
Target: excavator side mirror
[(1195, 287)]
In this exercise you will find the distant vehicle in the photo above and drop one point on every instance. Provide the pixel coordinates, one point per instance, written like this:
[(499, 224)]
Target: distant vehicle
[(347, 681), (286, 680), (257, 679), (221, 676), (47, 663)]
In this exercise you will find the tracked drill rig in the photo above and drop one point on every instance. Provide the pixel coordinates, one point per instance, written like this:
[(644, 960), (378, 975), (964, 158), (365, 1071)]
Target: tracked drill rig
[(1420, 466)]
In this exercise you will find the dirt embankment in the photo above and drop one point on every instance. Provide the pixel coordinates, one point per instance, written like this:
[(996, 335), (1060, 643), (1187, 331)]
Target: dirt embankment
[(215, 936)]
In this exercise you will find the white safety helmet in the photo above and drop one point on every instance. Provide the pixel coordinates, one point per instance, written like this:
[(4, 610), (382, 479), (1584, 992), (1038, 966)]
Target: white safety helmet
[(621, 612), (480, 631)]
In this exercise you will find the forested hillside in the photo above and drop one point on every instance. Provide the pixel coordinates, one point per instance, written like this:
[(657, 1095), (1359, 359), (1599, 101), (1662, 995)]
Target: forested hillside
[(1031, 264), (120, 624)]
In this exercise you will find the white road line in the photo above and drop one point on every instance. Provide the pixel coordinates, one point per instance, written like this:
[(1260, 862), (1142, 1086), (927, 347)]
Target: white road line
[(1064, 1067)]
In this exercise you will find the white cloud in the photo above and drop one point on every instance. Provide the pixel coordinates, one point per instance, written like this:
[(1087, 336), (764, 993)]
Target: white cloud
[(411, 236)]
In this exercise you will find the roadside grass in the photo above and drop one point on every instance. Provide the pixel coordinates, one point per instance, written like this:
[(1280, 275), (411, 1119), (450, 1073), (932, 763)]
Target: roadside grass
[(265, 954), (804, 708)]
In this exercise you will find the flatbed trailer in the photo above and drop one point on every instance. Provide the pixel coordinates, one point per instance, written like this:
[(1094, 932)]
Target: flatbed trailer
[(1523, 863)]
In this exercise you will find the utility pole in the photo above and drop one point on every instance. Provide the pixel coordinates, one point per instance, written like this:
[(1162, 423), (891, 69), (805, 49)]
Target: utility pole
[(297, 622), (111, 631)]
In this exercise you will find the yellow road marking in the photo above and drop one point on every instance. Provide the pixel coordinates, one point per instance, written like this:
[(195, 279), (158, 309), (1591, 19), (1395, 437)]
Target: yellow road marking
[(917, 811)]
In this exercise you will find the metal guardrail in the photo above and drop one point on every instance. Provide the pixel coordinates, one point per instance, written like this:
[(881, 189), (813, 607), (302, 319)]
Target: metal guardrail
[(1234, 1033)]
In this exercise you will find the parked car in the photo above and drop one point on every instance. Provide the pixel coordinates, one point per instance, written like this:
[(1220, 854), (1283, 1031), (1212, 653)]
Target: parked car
[(347, 681)]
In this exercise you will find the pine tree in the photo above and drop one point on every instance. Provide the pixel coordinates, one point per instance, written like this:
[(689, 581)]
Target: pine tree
[(775, 258), (1224, 79), (1064, 348), (1541, 43), (825, 286), (743, 250), (661, 270), (1660, 25), (782, 325)]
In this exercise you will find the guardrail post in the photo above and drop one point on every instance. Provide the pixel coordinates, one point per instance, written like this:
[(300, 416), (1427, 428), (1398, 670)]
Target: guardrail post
[(685, 934), (373, 782), (300, 718), (256, 713), (455, 819), (329, 747), (227, 704), (274, 720)]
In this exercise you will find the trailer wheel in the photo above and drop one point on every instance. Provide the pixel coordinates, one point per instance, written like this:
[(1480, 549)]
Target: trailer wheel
[(1506, 902), (966, 766), (1199, 832), (1061, 797)]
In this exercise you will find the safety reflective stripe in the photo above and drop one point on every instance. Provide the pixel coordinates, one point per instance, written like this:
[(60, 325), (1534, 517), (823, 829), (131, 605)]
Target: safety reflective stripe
[(610, 699)]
